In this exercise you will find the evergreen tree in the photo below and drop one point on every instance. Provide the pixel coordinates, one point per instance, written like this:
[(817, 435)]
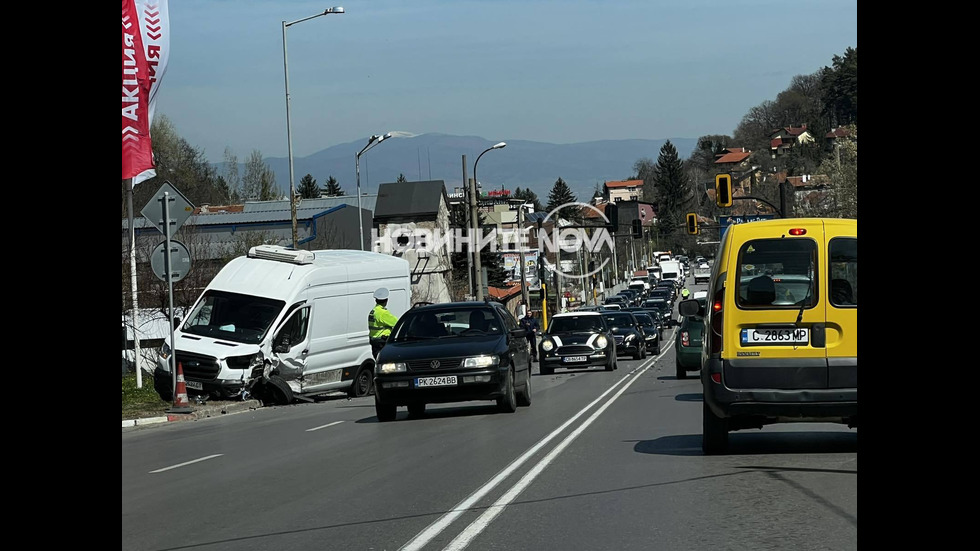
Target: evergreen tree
[(332, 188), (529, 196), (674, 193), (492, 261), (839, 87), (401, 178), (308, 188), (559, 195)]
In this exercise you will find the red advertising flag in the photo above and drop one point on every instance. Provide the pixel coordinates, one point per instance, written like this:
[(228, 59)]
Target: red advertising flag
[(137, 152), (146, 50)]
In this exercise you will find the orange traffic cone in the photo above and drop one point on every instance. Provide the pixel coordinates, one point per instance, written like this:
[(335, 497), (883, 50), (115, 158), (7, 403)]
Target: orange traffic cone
[(181, 403)]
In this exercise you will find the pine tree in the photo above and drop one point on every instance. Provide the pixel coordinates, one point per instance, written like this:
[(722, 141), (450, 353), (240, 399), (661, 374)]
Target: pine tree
[(308, 188), (529, 196), (492, 261), (559, 195), (401, 178), (671, 183), (332, 188)]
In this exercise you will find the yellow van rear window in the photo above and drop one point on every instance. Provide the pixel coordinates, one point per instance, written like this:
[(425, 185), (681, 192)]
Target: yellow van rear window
[(777, 273)]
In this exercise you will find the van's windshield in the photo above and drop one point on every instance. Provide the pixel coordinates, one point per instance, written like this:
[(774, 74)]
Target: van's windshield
[(233, 317)]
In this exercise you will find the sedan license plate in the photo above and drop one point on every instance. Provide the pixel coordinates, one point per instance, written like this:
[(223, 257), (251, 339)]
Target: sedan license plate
[(776, 335), (194, 384), (573, 359), (447, 380)]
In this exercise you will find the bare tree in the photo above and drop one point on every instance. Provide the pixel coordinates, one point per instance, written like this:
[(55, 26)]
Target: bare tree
[(252, 180), (231, 175)]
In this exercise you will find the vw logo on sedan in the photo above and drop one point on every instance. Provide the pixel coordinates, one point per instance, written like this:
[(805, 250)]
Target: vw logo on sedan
[(434, 364)]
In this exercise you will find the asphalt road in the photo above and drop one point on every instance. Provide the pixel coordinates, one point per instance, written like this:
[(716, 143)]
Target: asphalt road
[(600, 460)]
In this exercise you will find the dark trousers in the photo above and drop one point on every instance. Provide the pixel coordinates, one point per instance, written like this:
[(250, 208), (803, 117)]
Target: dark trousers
[(534, 348), (377, 343)]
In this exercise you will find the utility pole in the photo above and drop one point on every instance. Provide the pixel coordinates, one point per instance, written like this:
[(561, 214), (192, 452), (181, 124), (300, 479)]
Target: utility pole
[(476, 235), (469, 247), (520, 245)]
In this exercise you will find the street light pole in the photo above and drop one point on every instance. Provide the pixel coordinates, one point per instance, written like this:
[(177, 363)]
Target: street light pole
[(289, 134), (520, 244), (474, 215), (372, 141)]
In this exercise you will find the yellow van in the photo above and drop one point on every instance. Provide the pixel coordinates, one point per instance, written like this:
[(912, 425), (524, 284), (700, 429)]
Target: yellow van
[(780, 335)]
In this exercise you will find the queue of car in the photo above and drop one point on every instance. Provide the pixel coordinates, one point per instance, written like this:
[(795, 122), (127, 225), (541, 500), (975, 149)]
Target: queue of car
[(466, 351)]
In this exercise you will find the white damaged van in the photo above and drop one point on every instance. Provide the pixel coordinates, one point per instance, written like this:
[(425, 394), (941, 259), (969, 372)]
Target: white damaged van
[(281, 324)]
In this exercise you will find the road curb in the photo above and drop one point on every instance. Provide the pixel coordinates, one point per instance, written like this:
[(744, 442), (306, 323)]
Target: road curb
[(199, 412)]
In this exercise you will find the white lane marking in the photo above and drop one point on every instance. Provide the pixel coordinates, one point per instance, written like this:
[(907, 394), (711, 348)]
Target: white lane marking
[(324, 426), (484, 520), (187, 463), (434, 529)]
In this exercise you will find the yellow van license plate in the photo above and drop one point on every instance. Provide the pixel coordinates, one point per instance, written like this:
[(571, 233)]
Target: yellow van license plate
[(790, 335)]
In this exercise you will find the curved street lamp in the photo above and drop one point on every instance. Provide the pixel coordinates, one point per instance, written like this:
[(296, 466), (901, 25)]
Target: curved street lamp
[(476, 225), (372, 141), (289, 135)]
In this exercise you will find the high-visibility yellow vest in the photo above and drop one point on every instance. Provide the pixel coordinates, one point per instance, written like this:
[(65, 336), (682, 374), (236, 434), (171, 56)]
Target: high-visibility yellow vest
[(380, 322)]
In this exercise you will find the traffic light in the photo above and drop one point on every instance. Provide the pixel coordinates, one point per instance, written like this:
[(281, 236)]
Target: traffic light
[(723, 190), (637, 228), (692, 223), (541, 292), (612, 215)]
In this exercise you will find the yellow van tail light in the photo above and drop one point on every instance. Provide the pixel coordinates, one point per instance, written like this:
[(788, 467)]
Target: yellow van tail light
[(797, 231)]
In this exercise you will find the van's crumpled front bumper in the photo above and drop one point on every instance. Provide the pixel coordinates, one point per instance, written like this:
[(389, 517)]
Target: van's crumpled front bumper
[(224, 390)]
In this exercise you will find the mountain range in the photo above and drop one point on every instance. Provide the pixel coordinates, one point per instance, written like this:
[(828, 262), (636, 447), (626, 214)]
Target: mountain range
[(433, 156)]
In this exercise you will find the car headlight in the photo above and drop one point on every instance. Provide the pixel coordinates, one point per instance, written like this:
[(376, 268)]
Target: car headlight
[(481, 361), (601, 341), (392, 367), (164, 351), (547, 345)]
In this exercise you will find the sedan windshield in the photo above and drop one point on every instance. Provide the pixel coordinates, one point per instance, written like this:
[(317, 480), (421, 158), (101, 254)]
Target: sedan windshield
[(619, 320), (574, 324), (434, 323), (645, 320)]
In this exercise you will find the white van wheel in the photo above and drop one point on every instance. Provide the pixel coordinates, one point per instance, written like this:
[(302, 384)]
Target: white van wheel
[(363, 383), (277, 392)]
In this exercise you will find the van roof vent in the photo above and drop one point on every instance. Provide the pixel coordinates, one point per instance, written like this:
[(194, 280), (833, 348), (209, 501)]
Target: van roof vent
[(281, 254)]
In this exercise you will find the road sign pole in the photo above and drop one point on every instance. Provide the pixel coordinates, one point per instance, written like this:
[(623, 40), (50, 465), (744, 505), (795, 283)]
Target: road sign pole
[(170, 290), (166, 225)]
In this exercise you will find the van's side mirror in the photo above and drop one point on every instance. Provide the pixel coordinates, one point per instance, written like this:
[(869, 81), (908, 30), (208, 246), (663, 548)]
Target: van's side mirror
[(690, 307), (282, 345), (518, 333)]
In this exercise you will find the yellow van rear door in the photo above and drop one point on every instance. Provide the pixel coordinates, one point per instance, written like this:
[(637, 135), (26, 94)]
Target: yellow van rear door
[(776, 271), (841, 303)]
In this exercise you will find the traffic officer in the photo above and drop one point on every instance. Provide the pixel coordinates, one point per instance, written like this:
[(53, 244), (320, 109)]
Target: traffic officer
[(380, 321), (685, 293)]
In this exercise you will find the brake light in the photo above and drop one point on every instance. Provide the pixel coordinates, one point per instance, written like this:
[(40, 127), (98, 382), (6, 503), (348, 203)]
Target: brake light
[(716, 317), (797, 231), (685, 338), (716, 378)]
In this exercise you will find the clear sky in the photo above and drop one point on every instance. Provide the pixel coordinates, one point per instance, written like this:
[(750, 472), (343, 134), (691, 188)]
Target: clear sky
[(557, 71)]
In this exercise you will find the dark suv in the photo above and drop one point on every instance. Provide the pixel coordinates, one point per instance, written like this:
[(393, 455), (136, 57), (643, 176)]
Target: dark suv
[(688, 341)]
